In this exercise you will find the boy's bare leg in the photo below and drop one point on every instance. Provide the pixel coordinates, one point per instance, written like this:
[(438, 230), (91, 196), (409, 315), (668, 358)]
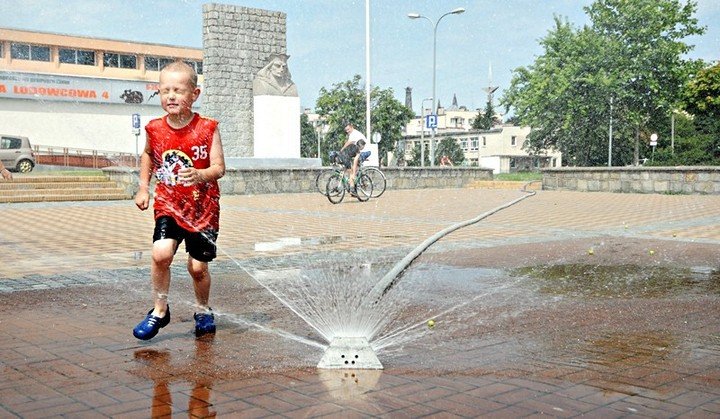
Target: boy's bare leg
[(354, 170), (162, 256), (201, 282)]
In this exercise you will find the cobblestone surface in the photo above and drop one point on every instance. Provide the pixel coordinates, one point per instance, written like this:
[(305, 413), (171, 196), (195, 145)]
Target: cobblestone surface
[(74, 282)]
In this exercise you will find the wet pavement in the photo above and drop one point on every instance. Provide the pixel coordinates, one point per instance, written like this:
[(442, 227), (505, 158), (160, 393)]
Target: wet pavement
[(565, 304)]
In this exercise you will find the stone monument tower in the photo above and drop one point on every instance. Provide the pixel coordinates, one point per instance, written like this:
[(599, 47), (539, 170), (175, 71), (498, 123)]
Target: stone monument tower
[(238, 42)]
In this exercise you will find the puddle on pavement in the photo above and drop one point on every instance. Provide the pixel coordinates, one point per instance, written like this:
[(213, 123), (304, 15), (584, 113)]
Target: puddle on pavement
[(285, 242), (631, 349), (621, 281)]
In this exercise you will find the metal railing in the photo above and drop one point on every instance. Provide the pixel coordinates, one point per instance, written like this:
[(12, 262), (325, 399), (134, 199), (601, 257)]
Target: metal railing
[(82, 157)]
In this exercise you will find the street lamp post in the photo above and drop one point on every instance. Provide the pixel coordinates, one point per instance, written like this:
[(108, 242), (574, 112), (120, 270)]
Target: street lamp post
[(435, 26), (422, 131)]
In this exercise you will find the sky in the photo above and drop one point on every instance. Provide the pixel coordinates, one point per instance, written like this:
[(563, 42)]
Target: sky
[(326, 38)]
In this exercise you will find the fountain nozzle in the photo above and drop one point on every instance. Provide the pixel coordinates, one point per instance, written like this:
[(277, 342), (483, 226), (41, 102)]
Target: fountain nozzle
[(350, 353)]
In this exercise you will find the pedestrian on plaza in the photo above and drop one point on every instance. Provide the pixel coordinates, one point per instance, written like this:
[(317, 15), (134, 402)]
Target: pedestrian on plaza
[(5, 172), (184, 152)]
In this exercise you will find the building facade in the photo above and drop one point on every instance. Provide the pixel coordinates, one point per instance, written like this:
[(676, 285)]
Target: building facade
[(500, 148), (80, 92)]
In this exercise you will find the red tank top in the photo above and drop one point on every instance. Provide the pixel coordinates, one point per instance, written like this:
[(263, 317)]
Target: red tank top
[(195, 208)]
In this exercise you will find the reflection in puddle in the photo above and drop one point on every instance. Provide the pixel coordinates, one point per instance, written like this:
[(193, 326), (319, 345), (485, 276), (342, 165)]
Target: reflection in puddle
[(349, 384), (618, 281), (157, 366)]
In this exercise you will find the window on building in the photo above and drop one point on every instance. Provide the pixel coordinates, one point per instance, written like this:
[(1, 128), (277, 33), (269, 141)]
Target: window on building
[(29, 52), (151, 64), (513, 141), (111, 59), (473, 143), (512, 163), (484, 141), (464, 144), (156, 63), (76, 56), (197, 65)]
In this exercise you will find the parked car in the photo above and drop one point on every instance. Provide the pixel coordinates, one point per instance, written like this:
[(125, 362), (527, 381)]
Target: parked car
[(16, 153)]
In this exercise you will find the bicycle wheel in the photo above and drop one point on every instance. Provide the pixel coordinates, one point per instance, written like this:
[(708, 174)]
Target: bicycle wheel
[(378, 180), (334, 188), (364, 187), (321, 180)]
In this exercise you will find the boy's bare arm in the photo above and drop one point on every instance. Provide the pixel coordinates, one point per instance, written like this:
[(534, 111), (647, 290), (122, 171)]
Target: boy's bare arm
[(142, 197), (217, 160)]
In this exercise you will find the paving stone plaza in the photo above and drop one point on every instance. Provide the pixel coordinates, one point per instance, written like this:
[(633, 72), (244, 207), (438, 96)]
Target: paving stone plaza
[(565, 304)]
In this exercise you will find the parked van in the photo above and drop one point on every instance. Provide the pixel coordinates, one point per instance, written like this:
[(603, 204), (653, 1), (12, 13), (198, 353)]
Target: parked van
[(16, 153)]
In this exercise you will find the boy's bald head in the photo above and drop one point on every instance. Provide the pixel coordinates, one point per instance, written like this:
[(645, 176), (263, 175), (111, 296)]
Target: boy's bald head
[(182, 67)]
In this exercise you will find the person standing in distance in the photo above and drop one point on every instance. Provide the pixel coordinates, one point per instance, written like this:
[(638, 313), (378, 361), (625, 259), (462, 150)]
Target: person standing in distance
[(5, 172), (185, 154)]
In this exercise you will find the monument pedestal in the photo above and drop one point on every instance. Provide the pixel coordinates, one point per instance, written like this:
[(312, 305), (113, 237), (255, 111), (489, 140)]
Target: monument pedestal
[(276, 127)]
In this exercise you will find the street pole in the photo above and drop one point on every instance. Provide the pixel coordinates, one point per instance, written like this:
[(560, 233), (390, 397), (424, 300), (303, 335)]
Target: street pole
[(422, 132), (318, 128), (672, 132), (422, 137), (610, 134), (367, 71), (433, 110)]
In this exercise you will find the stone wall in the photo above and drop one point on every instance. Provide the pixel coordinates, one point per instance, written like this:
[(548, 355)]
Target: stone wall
[(675, 180), (237, 42), (295, 180)]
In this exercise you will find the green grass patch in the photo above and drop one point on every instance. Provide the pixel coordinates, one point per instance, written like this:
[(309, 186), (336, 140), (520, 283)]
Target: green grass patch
[(519, 176)]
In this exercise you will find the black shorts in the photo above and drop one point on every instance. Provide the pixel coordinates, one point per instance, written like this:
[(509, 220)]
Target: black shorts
[(201, 246), (346, 159)]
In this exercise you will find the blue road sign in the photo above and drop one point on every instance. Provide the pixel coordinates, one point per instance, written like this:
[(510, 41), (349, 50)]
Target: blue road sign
[(431, 121), (136, 120)]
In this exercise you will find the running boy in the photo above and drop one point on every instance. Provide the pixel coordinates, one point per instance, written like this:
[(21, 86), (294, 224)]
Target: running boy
[(185, 153)]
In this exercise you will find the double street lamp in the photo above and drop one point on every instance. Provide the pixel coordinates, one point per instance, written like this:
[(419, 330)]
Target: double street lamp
[(435, 26)]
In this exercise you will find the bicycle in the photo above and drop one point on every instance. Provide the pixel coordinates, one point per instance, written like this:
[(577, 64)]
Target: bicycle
[(322, 178), (378, 178), (339, 183)]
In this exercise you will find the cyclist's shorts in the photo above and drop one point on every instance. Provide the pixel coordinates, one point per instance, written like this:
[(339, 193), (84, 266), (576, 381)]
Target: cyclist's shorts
[(201, 246), (345, 159)]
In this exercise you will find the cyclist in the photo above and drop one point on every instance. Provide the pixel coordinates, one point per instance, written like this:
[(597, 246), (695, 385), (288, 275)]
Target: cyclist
[(354, 138), (349, 156)]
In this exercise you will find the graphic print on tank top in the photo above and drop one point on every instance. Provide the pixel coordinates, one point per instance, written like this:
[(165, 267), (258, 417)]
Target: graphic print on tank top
[(172, 162)]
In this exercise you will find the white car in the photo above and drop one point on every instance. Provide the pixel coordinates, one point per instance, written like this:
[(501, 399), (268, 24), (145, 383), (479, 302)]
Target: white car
[(16, 153)]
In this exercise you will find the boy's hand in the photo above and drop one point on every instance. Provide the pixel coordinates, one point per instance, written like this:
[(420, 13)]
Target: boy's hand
[(142, 199), (189, 176)]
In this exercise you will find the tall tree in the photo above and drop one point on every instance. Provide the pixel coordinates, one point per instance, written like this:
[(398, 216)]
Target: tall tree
[(416, 156), (345, 102), (631, 54), (308, 138), (450, 147), (485, 119), (702, 100)]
